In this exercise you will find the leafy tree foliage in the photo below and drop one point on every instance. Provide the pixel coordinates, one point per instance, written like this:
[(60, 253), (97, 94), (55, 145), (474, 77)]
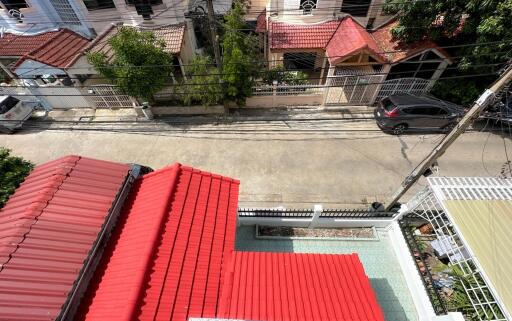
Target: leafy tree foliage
[(238, 56), (136, 53), (484, 27), (203, 85), (13, 171), (284, 77)]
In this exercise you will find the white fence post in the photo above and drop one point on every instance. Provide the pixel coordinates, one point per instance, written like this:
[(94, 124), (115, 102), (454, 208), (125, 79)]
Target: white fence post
[(317, 211)]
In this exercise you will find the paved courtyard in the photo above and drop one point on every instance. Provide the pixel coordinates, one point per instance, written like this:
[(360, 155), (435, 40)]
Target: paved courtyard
[(377, 256)]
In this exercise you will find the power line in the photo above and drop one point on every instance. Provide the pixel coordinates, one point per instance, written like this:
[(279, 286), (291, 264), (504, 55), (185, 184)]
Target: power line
[(296, 79), (293, 12), (336, 56), (183, 93)]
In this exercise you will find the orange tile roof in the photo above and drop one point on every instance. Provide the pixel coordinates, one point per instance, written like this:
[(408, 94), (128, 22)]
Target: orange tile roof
[(395, 50), (349, 39), (12, 45), (344, 37)]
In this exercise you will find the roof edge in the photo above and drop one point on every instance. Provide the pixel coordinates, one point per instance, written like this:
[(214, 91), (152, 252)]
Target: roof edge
[(93, 259)]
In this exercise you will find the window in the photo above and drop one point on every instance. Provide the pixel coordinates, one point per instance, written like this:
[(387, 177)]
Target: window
[(14, 4), (356, 8), (307, 6), (99, 4), (7, 104), (151, 2)]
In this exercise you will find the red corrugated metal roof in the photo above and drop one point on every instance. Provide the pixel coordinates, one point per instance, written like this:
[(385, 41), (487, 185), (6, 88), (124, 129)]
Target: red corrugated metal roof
[(47, 229), (349, 39), (57, 51), (12, 45), (303, 287), (166, 256)]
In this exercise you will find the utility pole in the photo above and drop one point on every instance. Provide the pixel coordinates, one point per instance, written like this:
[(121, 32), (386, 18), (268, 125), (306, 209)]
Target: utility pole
[(213, 32), (482, 102)]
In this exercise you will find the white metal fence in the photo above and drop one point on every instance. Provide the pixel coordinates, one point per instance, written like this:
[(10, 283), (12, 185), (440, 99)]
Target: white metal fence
[(109, 96), (352, 89), (415, 86)]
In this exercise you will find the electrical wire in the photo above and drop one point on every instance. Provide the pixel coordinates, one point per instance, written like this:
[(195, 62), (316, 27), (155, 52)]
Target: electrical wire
[(324, 86), (255, 11), (297, 79)]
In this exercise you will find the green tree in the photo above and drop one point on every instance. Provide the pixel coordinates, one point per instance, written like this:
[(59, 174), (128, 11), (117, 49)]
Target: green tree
[(13, 171), (483, 27), (136, 53), (238, 56), (203, 85)]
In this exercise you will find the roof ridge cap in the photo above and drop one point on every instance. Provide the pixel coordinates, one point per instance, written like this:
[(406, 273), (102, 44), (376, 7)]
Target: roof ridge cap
[(335, 31)]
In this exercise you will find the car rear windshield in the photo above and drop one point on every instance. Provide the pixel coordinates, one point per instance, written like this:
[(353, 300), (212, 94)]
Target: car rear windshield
[(387, 104), (7, 104)]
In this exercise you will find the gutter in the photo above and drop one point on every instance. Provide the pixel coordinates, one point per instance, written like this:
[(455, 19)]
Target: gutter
[(70, 307)]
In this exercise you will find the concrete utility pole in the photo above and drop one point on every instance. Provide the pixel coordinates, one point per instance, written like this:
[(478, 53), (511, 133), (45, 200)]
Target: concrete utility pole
[(213, 32), (479, 105)]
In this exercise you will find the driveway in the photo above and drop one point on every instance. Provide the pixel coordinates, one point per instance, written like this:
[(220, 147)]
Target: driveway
[(290, 163)]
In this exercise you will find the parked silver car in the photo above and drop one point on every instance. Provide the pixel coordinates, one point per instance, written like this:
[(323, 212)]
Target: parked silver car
[(13, 113)]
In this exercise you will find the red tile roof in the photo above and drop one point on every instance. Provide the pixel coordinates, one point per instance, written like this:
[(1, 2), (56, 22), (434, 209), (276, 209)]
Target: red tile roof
[(397, 51), (303, 287), (304, 36), (57, 51), (12, 45), (167, 253), (47, 229), (343, 38), (351, 38)]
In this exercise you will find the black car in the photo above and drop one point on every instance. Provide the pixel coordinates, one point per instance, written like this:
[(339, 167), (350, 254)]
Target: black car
[(401, 112)]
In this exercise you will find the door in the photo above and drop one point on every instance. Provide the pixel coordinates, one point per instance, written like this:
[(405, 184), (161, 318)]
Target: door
[(437, 117)]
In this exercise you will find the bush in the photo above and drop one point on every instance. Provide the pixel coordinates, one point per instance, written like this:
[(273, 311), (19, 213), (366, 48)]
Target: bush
[(203, 84), (284, 77), (13, 171)]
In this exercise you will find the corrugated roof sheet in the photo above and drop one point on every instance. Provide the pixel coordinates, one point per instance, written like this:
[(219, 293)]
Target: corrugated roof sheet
[(47, 229), (12, 45), (57, 51), (303, 287), (171, 35), (167, 253)]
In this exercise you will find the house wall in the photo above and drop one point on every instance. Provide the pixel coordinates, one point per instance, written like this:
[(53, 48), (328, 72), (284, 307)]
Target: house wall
[(288, 10), (169, 12)]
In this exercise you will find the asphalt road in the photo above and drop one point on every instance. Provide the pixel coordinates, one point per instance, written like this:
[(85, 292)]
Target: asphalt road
[(293, 163)]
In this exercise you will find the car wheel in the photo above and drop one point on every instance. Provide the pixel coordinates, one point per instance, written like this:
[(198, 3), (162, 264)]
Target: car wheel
[(448, 128), (399, 129)]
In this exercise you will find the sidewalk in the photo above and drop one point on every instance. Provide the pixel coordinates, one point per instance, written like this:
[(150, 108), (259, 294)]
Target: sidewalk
[(238, 114)]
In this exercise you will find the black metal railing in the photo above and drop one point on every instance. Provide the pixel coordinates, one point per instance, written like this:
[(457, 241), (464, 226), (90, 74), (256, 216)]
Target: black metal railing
[(326, 213), (426, 277)]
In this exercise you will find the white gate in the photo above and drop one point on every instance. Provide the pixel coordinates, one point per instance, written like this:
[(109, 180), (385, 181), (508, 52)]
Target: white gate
[(415, 86), (109, 96), (350, 86)]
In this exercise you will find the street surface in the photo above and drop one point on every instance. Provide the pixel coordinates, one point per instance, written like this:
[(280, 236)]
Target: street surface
[(297, 161)]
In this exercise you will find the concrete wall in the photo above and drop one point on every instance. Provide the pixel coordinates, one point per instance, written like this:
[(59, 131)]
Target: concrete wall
[(187, 110), (276, 101)]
